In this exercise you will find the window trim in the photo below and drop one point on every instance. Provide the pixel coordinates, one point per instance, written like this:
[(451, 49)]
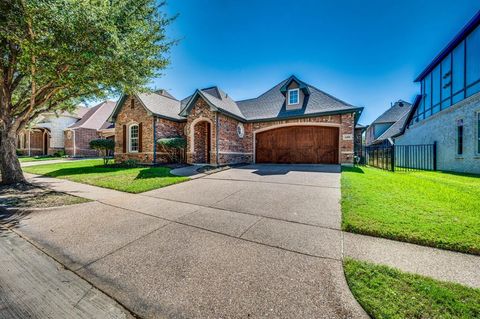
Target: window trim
[(130, 137), (457, 140), (298, 96)]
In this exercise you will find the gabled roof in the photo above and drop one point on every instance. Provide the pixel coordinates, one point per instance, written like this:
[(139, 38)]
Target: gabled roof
[(393, 130), (159, 103), (272, 104), (95, 117), (466, 30), (217, 99), (301, 85), (394, 113)]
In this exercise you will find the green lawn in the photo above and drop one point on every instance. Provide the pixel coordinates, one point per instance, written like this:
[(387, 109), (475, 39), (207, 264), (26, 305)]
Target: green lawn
[(25, 159), (132, 180), (388, 293), (428, 208)]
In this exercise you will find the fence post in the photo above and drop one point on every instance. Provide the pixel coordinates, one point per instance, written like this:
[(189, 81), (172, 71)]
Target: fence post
[(435, 155), (393, 157)]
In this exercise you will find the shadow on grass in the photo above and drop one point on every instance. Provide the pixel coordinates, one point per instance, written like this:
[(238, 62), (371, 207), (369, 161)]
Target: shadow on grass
[(460, 174), (86, 170), (354, 169), (154, 172)]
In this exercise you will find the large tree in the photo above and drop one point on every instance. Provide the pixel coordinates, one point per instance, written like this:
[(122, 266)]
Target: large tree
[(56, 53)]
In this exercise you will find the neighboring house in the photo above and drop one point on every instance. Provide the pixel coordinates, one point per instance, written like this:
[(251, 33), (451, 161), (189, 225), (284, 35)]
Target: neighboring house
[(293, 122), (448, 109), (68, 132), (389, 124), (93, 125), (45, 135)]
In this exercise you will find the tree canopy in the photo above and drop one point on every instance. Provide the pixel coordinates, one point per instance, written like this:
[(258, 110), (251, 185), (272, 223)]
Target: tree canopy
[(56, 53)]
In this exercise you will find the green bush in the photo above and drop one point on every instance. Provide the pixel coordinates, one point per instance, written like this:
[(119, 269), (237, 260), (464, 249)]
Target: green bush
[(173, 147), (173, 142), (130, 163), (60, 153), (103, 145)]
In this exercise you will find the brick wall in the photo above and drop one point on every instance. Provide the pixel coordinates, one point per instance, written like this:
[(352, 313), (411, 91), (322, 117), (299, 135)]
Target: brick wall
[(136, 113), (197, 138), (231, 147), (81, 138), (442, 128)]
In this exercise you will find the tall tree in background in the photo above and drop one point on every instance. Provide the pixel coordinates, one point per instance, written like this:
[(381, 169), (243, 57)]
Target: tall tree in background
[(55, 53)]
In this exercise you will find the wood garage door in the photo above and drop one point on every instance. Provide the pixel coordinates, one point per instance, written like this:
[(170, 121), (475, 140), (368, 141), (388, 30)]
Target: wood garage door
[(298, 144)]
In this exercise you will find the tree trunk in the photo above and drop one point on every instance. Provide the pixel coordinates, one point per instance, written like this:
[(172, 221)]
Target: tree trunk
[(10, 169)]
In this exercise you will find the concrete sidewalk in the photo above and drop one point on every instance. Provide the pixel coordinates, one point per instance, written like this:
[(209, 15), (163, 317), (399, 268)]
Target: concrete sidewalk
[(431, 262), (32, 285)]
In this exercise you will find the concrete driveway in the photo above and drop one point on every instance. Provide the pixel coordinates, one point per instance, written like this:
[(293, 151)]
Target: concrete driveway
[(257, 241)]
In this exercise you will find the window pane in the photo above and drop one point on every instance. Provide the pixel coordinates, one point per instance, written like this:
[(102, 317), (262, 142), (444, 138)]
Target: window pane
[(458, 97), (428, 92), (446, 78), (134, 138), (473, 89), (460, 139), (473, 56), (436, 85), (458, 68)]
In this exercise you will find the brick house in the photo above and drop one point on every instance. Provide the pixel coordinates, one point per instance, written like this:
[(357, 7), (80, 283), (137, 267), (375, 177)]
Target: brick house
[(93, 125), (388, 125), (45, 136), (293, 122), (448, 109), (68, 132)]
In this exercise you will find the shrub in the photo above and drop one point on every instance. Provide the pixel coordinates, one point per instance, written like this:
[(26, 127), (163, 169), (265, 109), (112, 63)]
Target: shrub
[(103, 145), (60, 153), (172, 146), (130, 163)]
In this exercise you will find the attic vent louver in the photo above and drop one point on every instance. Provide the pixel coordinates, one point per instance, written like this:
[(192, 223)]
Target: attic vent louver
[(400, 104)]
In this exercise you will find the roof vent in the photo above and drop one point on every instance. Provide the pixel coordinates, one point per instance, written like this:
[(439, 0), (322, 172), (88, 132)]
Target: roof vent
[(400, 104)]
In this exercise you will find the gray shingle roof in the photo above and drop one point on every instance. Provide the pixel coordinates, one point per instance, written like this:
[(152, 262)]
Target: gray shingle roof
[(96, 116), (393, 114), (271, 104), (161, 105), (393, 130)]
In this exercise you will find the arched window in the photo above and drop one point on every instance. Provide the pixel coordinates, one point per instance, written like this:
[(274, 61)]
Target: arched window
[(133, 138)]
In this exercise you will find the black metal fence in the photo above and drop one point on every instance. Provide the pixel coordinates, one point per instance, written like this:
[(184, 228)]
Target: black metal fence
[(402, 157)]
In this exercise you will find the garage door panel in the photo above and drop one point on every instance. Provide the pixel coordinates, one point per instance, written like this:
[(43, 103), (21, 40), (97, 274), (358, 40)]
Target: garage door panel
[(298, 144)]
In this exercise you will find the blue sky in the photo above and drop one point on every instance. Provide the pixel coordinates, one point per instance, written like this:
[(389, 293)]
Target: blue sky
[(364, 52)]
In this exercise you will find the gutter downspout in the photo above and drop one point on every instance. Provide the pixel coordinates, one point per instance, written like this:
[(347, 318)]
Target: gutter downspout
[(29, 144), (216, 137), (74, 144), (154, 141)]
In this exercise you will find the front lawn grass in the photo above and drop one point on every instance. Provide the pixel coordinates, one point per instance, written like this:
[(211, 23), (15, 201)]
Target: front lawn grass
[(385, 292), (132, 180), (26, 159), (429, 208)]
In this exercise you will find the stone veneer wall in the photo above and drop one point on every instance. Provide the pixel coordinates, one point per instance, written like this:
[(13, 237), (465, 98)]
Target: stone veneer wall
[(138, 114), (442, 128)]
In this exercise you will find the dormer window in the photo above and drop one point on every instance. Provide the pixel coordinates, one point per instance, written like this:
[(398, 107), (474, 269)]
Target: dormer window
[(293, 96)]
